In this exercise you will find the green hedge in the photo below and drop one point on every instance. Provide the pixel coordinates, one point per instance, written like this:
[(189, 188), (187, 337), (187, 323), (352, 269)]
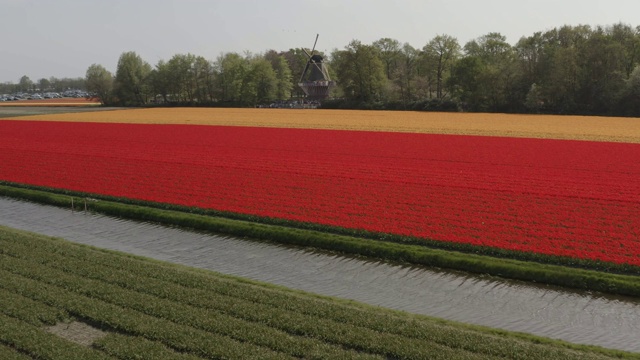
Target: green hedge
[(43, 195)]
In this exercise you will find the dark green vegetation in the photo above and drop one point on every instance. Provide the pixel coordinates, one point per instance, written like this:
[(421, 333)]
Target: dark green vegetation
[(581, 70), (567, 272), (568, 70), (167, 311)]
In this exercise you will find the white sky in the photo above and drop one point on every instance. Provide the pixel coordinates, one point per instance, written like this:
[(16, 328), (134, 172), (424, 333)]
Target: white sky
[(61, 38)]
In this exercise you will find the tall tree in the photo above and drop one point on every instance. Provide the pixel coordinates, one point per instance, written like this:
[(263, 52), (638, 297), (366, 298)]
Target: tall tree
[(44, 84), (498, 73), (557, 78), (283, 74), (160, 81), (629, 97), (131, 80), (230, 69), (629, 38), (204, 74), (465, 82), (530, 53), (99, 80), (491, 47), (444, 50), (55, 84), (404, 74), (360, 71), (562, 82), (183, 81), (602, 64), (389, 51), (262, 82), (25, 83)]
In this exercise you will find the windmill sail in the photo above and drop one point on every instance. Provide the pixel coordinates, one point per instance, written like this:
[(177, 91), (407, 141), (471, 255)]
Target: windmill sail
[(318, 82)]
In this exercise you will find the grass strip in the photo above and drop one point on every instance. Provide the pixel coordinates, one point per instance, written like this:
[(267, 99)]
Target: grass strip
[(289, 311), (180, 337), (566, 276), (40, 344)]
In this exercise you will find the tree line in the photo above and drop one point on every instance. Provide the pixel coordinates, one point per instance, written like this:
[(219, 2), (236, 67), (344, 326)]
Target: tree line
[(25, 84), (565, 70)]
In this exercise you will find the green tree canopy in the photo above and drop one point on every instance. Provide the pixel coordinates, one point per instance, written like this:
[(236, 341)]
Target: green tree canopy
[(284, 77), (389, 51), (261, 83), (100, 81), (231, 69), (443, 51), (25, 84), (360, 71), (131, 80)]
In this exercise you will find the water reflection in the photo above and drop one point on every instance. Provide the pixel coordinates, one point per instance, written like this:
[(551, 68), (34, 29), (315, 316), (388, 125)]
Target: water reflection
[(579, 317)]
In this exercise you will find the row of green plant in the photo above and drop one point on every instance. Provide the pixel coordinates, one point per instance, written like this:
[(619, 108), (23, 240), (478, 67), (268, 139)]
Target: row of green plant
[(183, 313), (22, 338), (127, 321), (262, 305), (9, 353), (247, 319), (34, 313), (179, 313), (567, 272), (83, 201), (136, 347)]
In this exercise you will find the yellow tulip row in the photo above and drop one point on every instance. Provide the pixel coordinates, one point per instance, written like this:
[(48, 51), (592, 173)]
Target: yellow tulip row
[(484, 124)]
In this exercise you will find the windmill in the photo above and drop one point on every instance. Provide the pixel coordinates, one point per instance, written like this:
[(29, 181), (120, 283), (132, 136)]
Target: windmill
[(315, 80)]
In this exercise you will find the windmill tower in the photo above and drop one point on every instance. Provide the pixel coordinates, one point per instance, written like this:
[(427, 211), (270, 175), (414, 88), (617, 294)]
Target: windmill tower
[(315, 80)]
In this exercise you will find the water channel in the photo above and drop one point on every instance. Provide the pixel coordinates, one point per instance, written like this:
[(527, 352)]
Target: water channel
[(579, 317)]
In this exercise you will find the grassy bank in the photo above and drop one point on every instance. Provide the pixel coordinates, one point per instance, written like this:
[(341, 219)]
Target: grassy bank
[(174, 312), (572, 277)]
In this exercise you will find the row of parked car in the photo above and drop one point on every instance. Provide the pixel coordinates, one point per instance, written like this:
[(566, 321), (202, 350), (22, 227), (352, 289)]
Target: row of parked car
[(46, 95), (19, 96)]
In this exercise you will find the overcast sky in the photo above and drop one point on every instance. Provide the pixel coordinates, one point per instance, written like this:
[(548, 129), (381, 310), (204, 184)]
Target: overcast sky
[(61, 38)]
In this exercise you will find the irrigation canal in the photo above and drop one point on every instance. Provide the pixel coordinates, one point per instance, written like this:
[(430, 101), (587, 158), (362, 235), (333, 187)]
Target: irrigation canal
[(579, 317)]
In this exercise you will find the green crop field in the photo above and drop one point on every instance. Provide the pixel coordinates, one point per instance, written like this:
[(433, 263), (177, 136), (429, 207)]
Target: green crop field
[(127, 307)]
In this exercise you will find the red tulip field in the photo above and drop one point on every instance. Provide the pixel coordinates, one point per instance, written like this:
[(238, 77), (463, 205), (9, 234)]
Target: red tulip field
[(572, 198)]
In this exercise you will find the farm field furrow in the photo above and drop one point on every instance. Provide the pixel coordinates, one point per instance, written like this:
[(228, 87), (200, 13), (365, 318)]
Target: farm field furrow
[(575, 199)]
